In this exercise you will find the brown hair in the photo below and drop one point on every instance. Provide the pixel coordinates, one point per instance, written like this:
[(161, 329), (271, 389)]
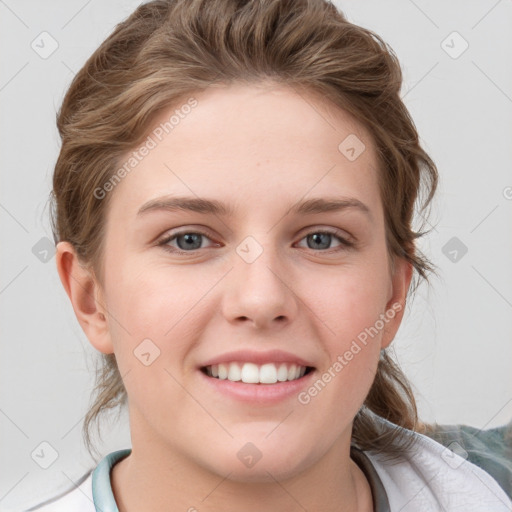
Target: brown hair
[(167, 50)]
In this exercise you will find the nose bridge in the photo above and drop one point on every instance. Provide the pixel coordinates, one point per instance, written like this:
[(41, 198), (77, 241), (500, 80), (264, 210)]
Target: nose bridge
[(259, 260), (261, 289)]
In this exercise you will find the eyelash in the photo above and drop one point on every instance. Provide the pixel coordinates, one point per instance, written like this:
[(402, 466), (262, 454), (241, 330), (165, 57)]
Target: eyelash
[(346, 244)]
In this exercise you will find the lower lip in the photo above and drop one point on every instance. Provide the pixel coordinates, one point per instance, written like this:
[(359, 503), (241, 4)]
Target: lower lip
[(259, 393)]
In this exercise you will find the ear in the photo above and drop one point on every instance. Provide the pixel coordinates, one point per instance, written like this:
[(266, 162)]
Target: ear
[(395, 307), (86, 297)]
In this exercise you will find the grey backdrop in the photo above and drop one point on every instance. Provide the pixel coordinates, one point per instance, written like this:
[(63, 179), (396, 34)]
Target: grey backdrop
[(455, 342)]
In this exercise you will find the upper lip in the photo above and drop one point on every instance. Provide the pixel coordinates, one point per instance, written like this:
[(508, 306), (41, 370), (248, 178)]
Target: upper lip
[(257, 357)]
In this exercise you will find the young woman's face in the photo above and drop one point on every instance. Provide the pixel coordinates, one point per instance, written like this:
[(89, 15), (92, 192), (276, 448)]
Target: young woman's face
[(257, 275)]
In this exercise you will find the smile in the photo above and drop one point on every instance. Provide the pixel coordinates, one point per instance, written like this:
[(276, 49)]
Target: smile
[(251, 373)]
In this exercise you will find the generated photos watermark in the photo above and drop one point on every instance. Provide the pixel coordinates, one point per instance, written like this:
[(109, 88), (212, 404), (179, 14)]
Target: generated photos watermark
[(355, 348), (150, 143)]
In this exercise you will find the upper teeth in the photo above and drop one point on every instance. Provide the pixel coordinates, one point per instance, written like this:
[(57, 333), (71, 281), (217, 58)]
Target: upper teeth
[(251, 373)]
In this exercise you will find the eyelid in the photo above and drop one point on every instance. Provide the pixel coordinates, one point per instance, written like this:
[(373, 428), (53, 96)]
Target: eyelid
[(330, 230)]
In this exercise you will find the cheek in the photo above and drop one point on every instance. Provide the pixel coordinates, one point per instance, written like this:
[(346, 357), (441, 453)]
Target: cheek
[(149, 317), (148, 312), (150, 298), (350, 383), (350, 301), (352, 353), (350, 308)]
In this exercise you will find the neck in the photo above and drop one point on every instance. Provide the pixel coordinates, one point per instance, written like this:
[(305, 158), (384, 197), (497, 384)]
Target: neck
[(162, 479)]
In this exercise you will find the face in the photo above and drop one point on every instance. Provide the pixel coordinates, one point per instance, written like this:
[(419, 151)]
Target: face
[(294, 299)]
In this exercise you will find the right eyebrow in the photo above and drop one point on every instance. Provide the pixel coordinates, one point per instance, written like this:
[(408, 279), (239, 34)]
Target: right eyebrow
[(194, 204)]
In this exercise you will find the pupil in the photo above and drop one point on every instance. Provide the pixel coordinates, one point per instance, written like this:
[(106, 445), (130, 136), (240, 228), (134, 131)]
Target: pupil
[(317, 237), (190, 238)]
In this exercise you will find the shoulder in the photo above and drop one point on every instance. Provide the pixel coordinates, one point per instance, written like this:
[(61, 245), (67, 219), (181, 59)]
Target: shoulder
[(489, 449), (77, 498), (433, 476)]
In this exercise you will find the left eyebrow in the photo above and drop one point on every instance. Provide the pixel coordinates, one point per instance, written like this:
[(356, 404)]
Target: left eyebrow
[(205, 206)]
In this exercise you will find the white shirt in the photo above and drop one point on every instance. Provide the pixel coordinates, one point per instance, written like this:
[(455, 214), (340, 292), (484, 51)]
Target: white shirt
[(428, 478)]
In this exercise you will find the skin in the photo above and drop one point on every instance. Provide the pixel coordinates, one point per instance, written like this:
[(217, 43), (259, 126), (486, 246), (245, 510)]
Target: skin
[(262, 149)]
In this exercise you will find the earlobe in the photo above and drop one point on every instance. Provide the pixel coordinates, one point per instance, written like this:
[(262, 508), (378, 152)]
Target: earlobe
[(395, 306), (85, 295)]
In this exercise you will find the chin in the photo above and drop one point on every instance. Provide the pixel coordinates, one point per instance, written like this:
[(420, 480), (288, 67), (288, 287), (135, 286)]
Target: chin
[(252, 465), (262, 473)]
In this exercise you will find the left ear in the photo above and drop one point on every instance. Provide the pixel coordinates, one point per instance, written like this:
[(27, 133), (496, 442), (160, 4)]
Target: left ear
[(395, 307)]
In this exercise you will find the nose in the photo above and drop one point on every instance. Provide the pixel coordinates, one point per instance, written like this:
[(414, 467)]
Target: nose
[(259, 290)]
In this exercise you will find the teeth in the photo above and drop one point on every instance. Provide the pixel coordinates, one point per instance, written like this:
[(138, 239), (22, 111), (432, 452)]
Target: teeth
[(223, 371), (282, 373), (268, 374), (234, 372), (251, 373)]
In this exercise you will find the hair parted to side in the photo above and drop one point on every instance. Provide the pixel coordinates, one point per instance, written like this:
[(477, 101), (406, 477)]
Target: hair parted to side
[(169, 49)]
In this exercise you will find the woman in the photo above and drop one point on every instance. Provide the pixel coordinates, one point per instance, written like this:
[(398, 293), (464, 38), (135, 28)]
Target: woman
[(234, 199)]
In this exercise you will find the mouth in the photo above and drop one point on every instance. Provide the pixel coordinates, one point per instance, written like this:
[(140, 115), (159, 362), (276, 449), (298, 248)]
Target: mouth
[(252, 373)]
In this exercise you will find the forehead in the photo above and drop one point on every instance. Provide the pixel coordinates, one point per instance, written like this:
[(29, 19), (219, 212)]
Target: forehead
[(252, 143)]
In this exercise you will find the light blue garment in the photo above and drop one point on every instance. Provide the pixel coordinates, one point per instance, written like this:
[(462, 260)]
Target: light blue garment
[(101, 488)]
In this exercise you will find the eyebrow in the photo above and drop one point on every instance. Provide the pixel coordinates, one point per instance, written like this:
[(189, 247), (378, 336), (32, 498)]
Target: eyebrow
[(212, 206)]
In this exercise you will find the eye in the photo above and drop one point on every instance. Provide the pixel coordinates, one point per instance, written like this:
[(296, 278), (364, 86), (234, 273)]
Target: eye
[(321, 239), (187, 241), (190, 241)]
